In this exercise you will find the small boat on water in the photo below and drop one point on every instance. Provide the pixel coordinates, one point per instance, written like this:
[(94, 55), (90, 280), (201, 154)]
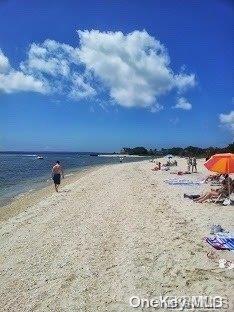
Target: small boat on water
[(93, 154), (40, 157), (121, 159)]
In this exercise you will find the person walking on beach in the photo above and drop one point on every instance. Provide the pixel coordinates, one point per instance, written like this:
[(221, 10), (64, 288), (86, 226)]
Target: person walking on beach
[(194, 164), (57, 171)]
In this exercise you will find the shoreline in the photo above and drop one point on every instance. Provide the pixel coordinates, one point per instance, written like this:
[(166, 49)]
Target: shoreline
[(22, 201), (32, 184), (16, 204)]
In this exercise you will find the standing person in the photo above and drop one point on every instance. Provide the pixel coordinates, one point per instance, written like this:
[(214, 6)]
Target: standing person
[(57, 171), (194, 164), (189, 163)]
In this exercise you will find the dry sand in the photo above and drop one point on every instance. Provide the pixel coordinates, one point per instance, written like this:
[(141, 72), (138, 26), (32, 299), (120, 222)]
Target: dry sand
[(116, 232)]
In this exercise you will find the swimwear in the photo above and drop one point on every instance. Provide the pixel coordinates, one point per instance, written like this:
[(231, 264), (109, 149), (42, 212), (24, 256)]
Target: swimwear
[(56, 178)]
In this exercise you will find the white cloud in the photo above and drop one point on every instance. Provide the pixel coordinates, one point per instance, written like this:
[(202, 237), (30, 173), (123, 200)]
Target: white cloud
[(134, 67), (227, 120), (80, 89), (14, 81), (156, 108), (4, 62), (50, 57), (183, 103), (59, 64), (182, 82)]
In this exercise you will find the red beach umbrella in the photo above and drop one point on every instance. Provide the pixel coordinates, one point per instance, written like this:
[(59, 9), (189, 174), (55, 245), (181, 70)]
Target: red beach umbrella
[(221, 163)]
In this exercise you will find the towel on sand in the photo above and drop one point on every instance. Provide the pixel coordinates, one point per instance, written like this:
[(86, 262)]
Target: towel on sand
[(221, 243), (182, 182)]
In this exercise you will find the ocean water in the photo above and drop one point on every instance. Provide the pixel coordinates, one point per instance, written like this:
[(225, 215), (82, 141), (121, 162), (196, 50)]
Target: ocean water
[(23, 172)]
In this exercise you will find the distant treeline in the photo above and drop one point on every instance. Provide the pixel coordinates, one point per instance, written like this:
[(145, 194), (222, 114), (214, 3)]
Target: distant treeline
[(179, 151)]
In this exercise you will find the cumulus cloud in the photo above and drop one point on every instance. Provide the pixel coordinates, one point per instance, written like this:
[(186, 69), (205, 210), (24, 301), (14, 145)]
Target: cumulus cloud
[(50, 57), (4, 62), (133, 69), (59, 64), (80, 89), (14, 81), (183, 103), (227, 120)]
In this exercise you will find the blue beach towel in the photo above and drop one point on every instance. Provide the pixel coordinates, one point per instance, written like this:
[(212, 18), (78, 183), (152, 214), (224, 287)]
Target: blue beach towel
[(221, 243), (183, 182)]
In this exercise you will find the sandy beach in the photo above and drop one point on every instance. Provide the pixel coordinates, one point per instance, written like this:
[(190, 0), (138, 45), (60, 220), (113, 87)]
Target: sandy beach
[(112, 233)]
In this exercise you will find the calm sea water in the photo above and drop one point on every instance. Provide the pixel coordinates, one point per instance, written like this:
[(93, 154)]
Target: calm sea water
[(22, 172)]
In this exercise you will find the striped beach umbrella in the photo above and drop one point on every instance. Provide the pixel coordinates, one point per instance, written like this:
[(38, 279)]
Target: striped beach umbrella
[(221, 163)]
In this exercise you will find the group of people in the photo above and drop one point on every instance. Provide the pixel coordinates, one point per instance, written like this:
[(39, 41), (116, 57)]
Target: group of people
[(160, 166), (224, 191), (227, 184), (192, 164), (170, 163)]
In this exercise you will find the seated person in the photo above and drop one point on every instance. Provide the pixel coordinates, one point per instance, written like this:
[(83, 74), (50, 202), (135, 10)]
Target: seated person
[(157, 167), (213, 177), (225, 190), (173, 163)]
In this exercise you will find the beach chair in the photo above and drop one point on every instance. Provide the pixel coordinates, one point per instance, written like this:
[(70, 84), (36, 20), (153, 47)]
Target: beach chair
[(223, 198), (220, 199)]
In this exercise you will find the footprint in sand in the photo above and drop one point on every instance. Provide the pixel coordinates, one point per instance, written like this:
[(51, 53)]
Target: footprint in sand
[(66, 191)]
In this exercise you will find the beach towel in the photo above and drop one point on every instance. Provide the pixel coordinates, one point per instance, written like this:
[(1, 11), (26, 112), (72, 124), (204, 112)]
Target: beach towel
[(221, 243), (183, 182), (225, 234)]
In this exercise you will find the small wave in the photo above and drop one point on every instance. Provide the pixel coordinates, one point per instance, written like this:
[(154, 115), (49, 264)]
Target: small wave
[(20, 195), (31, 190), (25, 193), (30, 155), (69, 174)]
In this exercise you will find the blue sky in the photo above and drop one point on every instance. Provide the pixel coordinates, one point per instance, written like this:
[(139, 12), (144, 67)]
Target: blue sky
[(100, 75)]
